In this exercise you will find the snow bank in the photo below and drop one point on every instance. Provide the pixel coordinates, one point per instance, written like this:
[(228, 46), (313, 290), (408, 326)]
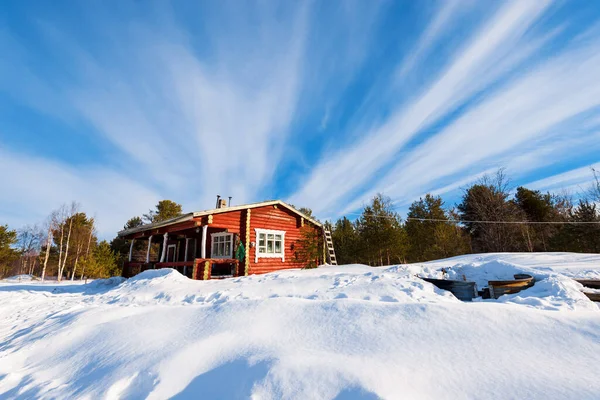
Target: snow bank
[(346, 332), (106, 283), (554, 288), (576, 265), (552, 293), (20, 278), (356, 282)]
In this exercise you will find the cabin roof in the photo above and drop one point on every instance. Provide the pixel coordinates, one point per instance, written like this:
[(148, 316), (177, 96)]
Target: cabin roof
[(192, 215)]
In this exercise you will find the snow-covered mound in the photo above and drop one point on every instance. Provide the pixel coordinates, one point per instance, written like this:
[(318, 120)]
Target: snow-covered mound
[(20, 278), (345, 332), (568, 264), (552, 291), (357, 282)]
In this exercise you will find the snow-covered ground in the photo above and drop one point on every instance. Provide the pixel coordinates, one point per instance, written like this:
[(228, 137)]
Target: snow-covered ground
[(20, 278), (346, 332)]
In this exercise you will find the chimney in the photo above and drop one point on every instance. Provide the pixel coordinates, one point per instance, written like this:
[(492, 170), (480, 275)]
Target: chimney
[(218, 201), (229, 201)]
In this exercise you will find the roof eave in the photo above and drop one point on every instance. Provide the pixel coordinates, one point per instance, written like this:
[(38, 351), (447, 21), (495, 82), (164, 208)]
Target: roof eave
[(188, 216), (155, 225)]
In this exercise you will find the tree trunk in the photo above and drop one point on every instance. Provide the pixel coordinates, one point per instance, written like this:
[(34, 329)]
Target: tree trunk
[(544, 241), (62, 234), (47, 256), (76, 259), (82, 272), (87, 250), (66, 250)]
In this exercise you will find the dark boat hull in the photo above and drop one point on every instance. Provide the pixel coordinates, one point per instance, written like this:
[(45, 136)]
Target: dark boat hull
[(465, 291)]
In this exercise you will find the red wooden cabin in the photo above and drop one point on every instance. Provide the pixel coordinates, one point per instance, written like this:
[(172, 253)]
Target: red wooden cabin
[(202, 245)]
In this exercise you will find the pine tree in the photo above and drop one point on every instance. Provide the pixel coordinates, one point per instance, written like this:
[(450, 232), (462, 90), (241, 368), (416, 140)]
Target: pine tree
[(133, 223), (382, 239), (308, 250), (449, 240), (8, 238), (102, 262), (429, 236), (581, 238), (165, 209), (537, 207), (488, 201), (345, 241)]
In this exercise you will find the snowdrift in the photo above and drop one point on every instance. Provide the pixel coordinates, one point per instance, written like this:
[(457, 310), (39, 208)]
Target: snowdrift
[(20, 278), (345, 332)]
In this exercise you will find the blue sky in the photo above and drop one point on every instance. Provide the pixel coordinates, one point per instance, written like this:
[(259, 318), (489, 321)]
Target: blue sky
[(118, 104)]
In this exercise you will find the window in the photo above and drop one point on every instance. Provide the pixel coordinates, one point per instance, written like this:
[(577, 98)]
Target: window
[(222, 245), (270, 244), (172, 253)]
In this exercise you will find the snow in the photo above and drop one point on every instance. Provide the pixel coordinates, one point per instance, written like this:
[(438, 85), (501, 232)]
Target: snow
[(20, 278), (343, 332)]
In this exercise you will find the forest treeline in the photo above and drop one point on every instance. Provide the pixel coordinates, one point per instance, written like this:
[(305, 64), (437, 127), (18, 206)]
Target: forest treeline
[(490, 217), (66, 245)]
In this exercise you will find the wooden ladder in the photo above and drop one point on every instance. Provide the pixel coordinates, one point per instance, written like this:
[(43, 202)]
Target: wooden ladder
[(330, 251)]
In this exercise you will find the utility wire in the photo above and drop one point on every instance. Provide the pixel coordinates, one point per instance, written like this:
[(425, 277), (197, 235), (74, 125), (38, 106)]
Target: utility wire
[(458, 221), (502, 222)]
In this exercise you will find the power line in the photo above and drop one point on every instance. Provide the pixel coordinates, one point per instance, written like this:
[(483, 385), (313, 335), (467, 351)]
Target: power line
[(458, 221), (503, 222)]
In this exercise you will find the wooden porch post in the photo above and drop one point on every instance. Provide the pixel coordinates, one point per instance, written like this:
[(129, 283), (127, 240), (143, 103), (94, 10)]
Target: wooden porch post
[(206, 271), (185, 254), (203, 248), (131, 249), (247, 257), (164, 249), (148, 251)]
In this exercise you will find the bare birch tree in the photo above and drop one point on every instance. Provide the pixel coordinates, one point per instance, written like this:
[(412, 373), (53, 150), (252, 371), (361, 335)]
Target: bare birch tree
[(49, 236), (60, 219), (594, 191), (29, 240), (68, 214)]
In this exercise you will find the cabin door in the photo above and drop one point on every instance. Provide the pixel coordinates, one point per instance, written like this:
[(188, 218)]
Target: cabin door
[(171, 253)]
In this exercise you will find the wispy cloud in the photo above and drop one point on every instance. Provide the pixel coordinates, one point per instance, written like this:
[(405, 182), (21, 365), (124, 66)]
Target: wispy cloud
[(187, 124), (445, 16), (520, 112), (576, 180), (329, 183), (324, 104), (33, 186)]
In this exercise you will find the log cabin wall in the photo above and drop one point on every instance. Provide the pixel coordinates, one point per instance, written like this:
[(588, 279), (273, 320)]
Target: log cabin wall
[(242, 223), (280, 219), (229, 221)]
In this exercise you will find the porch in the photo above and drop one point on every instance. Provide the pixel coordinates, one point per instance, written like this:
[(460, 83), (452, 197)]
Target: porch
[(201, 252)]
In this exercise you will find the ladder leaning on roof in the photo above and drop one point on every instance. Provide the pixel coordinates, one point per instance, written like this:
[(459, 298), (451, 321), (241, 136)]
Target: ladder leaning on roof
[(329, 245)]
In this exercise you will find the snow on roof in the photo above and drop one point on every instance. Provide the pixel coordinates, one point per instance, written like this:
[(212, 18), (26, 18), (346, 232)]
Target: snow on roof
[(192, 215)]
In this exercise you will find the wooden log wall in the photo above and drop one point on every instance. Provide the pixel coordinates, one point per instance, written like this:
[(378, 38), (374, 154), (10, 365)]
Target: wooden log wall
[(242, 223), (281, 219)]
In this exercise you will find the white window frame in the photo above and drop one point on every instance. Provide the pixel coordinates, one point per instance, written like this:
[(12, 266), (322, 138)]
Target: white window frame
[(258, 254), (174, 246), (212, 241)]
